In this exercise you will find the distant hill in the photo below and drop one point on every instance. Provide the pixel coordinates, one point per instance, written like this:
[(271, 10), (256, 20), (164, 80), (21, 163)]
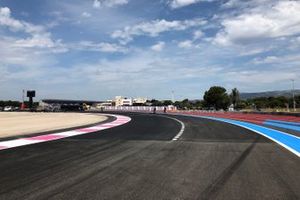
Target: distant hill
[(286, 93)]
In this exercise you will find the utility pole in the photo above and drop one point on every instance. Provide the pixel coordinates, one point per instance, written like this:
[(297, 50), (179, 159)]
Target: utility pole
[(293, 91), (23, 95), (23, 101)]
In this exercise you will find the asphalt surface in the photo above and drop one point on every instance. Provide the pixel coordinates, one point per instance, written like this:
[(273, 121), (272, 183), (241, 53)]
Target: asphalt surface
[(139, 160)]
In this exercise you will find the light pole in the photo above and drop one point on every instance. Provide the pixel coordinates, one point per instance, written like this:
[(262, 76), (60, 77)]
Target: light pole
[(293, 91), (173, 99), (23, 95), (23, 100)]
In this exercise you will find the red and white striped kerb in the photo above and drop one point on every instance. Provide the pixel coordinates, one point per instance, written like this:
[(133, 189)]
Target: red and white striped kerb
[(120, 120)]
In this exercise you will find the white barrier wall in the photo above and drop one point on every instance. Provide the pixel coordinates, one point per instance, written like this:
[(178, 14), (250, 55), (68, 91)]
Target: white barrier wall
[(136, 108)]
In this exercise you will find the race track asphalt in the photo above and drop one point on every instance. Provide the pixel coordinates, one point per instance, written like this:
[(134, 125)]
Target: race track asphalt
[(139, 160)]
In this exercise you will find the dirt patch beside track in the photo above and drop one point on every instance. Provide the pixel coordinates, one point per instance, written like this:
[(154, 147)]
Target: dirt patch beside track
[(22, 123)]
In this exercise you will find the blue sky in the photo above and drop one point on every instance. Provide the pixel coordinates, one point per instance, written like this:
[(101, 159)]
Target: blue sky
[(97, 49)]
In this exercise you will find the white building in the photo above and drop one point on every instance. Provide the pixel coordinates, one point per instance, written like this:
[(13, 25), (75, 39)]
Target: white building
[(101, 105), (231, 108), (140, 100), (123, 101), (127, 102), (118, 101)]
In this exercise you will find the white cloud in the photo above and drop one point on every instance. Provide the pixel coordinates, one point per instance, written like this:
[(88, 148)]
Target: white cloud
[(35, 41), (158, 47), (198, 34), (16, 25), (27, 53), (154, 28), (185, 44), (139, 66), (130, 72), (181, 3), (102, 21), (86, 14), (259, 77), (246, 4), (266, 60), (39, 40), (102, 47), (231, 4), (291, 60), (6, 20), (96, 4), (263, 22), (39, 37), (108, 3)]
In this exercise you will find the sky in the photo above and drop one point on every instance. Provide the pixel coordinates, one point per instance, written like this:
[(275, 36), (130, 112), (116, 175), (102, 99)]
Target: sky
[(98, 49)]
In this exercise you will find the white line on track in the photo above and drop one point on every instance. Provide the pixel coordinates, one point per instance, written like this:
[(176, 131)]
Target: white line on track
[(180, 122), (181, 130)]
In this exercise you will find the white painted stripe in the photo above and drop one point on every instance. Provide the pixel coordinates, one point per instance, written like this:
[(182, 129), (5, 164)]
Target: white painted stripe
[(181, 130), (179, 134), (19, 142), (98, 127), (68, 133), (101, 127), (108, 124)]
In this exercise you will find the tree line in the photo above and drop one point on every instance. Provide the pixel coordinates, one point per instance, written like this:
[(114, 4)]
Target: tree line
[(217, 98), (14, 103)]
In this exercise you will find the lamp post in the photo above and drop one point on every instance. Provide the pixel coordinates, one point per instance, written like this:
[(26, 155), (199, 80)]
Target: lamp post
[(173, 99), (293, 91), (23, 100)]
